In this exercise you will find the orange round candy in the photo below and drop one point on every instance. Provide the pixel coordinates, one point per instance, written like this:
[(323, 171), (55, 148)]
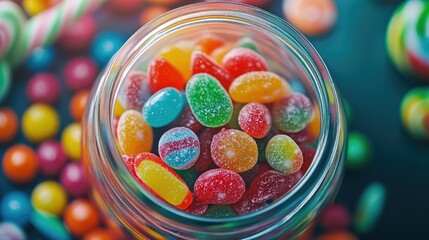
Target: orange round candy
[(20, 163), (8, 125), (98, 234), (78, 104), (312, 17), (81, 217), (151, 12)]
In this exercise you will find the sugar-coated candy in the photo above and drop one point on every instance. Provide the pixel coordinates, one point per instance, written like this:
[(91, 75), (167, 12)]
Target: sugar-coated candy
[(220, 211), (8, 125), (80, 73), (104, 46), (40, 122), (415, 112), (205, 160), (49, 226), (283, 154), (134, 134), (337, 235), (162, 74), (98, 234), (247, 42), (20, 163), (179, 148), (41, 59), (234, 150), (256, 170), (369, 208), (81, 216), (255, 120), (135, 90), (9, 230), (208, 100), (292, 113), (5, 79), (79, 35), (43, 88), (243, 60), (269, 185), (162, 181), (208, 43), (261, 87), (74, 180), (197, 206), (335, 217), (71, 141), (219, 186), (51, 157), (245, 205), (312, 17), (187, 119), (15, 207), (308, 154), (189, 175), (179, 56), (163, 107), (201, 63), (359, 151), (78, 104), (49, 197)]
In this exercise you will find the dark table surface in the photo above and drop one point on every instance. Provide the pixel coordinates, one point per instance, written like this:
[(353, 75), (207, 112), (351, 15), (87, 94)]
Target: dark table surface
[(355, 54)]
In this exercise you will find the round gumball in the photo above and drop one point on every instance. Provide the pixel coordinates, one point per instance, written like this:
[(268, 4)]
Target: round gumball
[(151, 12), (8, 125), (104, 46), (40, 122), (81, 217), (41, 59), (43, 88), (71, 141), (80, 73), (11, 231), (359, 151), (49, 197), (15, 207), (74, 180), (78, 104), (98, 234), (51, 158), (20, 164), (80, 35)]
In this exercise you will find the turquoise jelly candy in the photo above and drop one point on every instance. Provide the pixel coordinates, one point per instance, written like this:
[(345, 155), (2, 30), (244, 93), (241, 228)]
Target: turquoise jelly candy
[(218, 211), (283, 154), (51, 227), (208, 100), (163, 107)]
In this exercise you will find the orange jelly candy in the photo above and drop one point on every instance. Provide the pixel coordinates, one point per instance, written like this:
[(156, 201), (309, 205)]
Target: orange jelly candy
[(208, 43), (134, 134)]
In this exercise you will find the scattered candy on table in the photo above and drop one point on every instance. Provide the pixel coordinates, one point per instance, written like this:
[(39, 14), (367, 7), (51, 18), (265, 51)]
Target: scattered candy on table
[(15, 207), (80, 217), (41, 59), (71, 141), (20, 164), (11, 231), (104, 46), (40, 122), (51, 157), (359, 151), (73, 180), (79, 36), (49, 197), (49, 226), (43, 88), (5, 79), (80, 73), (78, 104)]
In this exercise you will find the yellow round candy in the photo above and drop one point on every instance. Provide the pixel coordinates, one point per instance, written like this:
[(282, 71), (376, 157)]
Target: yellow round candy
[(49, 197), (40, 122), (71, 141), (33, 7)]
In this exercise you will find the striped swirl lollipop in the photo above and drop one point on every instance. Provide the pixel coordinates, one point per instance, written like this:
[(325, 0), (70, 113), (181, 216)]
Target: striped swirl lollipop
[(12, 20)]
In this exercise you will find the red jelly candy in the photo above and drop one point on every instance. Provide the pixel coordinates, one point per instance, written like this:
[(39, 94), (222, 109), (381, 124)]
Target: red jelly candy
[(129, 163), (308, 154), (162, 74), (205, 160), (187, 119), (219, 186), (197, 206), (201, 63), (245, 205), (258, 169), (269, 185), (255, 120), (243, 60), (302, 136)]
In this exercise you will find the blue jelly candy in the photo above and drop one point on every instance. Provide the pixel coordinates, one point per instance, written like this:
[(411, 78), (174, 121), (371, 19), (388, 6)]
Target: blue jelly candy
[(16, 207), (163, 107), (179, 147)]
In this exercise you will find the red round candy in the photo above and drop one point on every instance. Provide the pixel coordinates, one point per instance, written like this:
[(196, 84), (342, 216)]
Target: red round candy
[(74, 180), (219, 186), (335, 217), (269, 185), (51, 158), (80, 217), (80, 73), (8, 125), (255, 120), (43, 88), (79, 36), (20, 163), (162, 74), (243, 60)]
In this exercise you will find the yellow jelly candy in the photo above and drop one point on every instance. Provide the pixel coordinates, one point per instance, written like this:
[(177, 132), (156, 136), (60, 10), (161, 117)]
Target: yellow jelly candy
[(134, 134), (119, 109), (179, 55)]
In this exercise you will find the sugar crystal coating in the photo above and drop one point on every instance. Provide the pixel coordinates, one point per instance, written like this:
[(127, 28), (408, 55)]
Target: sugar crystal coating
[(243, 60), (292, 113), (283, 154), (255, 120), (162, 74), (134, 134), (135, 91)]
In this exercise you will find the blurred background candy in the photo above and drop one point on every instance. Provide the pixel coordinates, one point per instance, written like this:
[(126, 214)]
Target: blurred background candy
[(104, 46), (15, 207), (8, 125), (43, 88), (11, 231)]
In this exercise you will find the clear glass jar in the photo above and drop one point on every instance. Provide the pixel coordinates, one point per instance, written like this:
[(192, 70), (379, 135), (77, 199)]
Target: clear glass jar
[(136, 213)]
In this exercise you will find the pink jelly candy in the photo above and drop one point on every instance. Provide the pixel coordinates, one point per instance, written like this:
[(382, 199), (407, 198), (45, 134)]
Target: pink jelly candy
[(201, 63), (255, 119), (243, 60), (219, 186), (292, 113), (245, 205), (269, 185), (197, 206), (135, 91)]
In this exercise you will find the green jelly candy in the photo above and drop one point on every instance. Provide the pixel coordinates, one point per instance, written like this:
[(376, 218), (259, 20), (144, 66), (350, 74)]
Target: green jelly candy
[(5, 79), (189, 175), (218, 211), (51, 227), (370, 207), (359, 151), (247, 42), (209, 101)]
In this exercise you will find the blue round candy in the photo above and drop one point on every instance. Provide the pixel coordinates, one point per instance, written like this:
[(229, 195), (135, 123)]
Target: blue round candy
[(11, 231), (41, 59), (163, 107), (179, 147), (105, 45), (16, 207)]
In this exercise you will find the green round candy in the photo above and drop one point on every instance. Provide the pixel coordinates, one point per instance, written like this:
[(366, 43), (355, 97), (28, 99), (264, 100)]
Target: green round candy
[(359, 151), (209, 101), (370, 207), (218, 211), (247, 42), (5, 79), (51, 227)]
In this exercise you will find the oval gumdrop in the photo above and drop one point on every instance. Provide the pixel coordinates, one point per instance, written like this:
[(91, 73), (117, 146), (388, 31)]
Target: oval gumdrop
[(239, 61), (234, 150), (292, 113), (208, 100), (135, 91), (219, 186), (262, 87), (179, 148), (163, 107), (283, 154), (162, 74), (255, 120), (134, 134)]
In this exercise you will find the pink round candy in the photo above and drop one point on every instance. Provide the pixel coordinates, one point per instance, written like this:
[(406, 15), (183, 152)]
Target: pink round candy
[(74, 180), (51, 158), (79, 36), (255, 119), (80, 73), (43, 88)]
